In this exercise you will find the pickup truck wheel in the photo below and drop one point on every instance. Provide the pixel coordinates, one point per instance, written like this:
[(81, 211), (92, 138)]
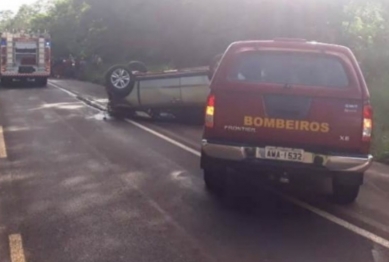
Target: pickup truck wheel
[(119, 81), (214, 180), (344, 194)]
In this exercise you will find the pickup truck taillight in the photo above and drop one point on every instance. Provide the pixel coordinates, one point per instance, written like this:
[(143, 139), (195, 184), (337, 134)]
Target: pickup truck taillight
[(210, 111), (367, 123)]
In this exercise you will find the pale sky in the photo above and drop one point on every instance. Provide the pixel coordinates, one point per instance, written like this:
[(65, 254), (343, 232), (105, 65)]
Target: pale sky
[(14, 4)]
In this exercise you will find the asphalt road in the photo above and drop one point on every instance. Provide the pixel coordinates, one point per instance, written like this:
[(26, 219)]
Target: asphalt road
[(76, 187)]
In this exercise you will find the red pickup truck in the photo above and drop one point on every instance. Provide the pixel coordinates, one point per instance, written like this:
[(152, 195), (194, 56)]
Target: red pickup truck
[(288, 107)]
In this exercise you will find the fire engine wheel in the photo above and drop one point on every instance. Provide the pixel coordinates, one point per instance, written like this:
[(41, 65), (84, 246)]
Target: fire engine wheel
[(6, 81), (119, 81), (42, 82)]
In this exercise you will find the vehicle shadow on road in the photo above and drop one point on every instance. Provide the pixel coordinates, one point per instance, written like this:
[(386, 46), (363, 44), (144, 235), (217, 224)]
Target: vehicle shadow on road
[(22, 85), (257, 197), (183, 120), (197, 121)]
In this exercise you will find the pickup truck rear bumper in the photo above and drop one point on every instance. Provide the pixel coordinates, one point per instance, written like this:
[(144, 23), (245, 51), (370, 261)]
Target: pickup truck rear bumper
[(246, 155)]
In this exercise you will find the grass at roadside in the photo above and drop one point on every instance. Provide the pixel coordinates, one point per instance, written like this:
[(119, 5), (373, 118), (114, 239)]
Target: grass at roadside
[(94, 74), (379, 91)]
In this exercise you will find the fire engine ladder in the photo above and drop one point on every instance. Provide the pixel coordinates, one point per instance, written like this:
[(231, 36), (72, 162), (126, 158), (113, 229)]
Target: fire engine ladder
[(41, 54), (10, 51)]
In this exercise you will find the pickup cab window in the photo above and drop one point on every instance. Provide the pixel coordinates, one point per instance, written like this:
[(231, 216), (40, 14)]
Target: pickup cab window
[(289, 68)]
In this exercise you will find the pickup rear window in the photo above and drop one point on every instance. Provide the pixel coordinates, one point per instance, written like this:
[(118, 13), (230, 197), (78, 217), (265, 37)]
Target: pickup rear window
[(289, 68)]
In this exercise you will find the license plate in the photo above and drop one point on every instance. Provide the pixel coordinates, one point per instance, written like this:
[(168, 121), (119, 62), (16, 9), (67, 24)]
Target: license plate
[(284, 154)]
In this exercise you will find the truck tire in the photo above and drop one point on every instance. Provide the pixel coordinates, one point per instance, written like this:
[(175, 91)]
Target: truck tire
[(345, 187), (137, 66), (214, 180), (119, 81), (6, 81), (42, 82), (345, 194)]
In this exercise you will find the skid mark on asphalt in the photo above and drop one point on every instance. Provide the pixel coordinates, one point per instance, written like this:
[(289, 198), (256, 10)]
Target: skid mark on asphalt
[(3, 149), (16, 248)]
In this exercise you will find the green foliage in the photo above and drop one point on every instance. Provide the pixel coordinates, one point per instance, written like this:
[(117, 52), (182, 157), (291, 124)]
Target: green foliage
[(6, 18), (183, 33), (189, 32), (367, 33), (93, 75), (380, 101)]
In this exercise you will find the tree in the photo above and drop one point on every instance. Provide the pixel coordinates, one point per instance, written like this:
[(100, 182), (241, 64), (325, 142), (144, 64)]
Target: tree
[(5, 18), (190, 32)]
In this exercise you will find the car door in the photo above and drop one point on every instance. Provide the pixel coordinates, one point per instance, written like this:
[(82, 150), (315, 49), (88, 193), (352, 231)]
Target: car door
[(160, 92), (194, 90)]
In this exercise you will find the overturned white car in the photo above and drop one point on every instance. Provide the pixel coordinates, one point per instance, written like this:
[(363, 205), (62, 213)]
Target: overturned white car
[(182, 93)]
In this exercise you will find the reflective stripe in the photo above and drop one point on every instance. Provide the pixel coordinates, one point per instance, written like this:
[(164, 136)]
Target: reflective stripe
[(32, 74)]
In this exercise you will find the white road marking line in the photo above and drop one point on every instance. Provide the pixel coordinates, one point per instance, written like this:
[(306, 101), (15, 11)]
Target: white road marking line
[(16, 248), (3, 148), (96, 106), (63, 89), (341, 222), (172, 141)]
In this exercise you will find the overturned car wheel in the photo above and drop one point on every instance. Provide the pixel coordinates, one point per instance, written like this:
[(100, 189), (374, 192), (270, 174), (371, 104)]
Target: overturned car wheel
[(119, 81)]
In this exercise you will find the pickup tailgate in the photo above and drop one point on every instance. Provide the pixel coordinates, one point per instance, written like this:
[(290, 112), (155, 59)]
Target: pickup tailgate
[(290, 100)]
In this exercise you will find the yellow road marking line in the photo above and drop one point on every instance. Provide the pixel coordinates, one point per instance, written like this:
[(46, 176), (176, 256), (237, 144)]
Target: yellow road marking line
[(3, 149), (16, 248)]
